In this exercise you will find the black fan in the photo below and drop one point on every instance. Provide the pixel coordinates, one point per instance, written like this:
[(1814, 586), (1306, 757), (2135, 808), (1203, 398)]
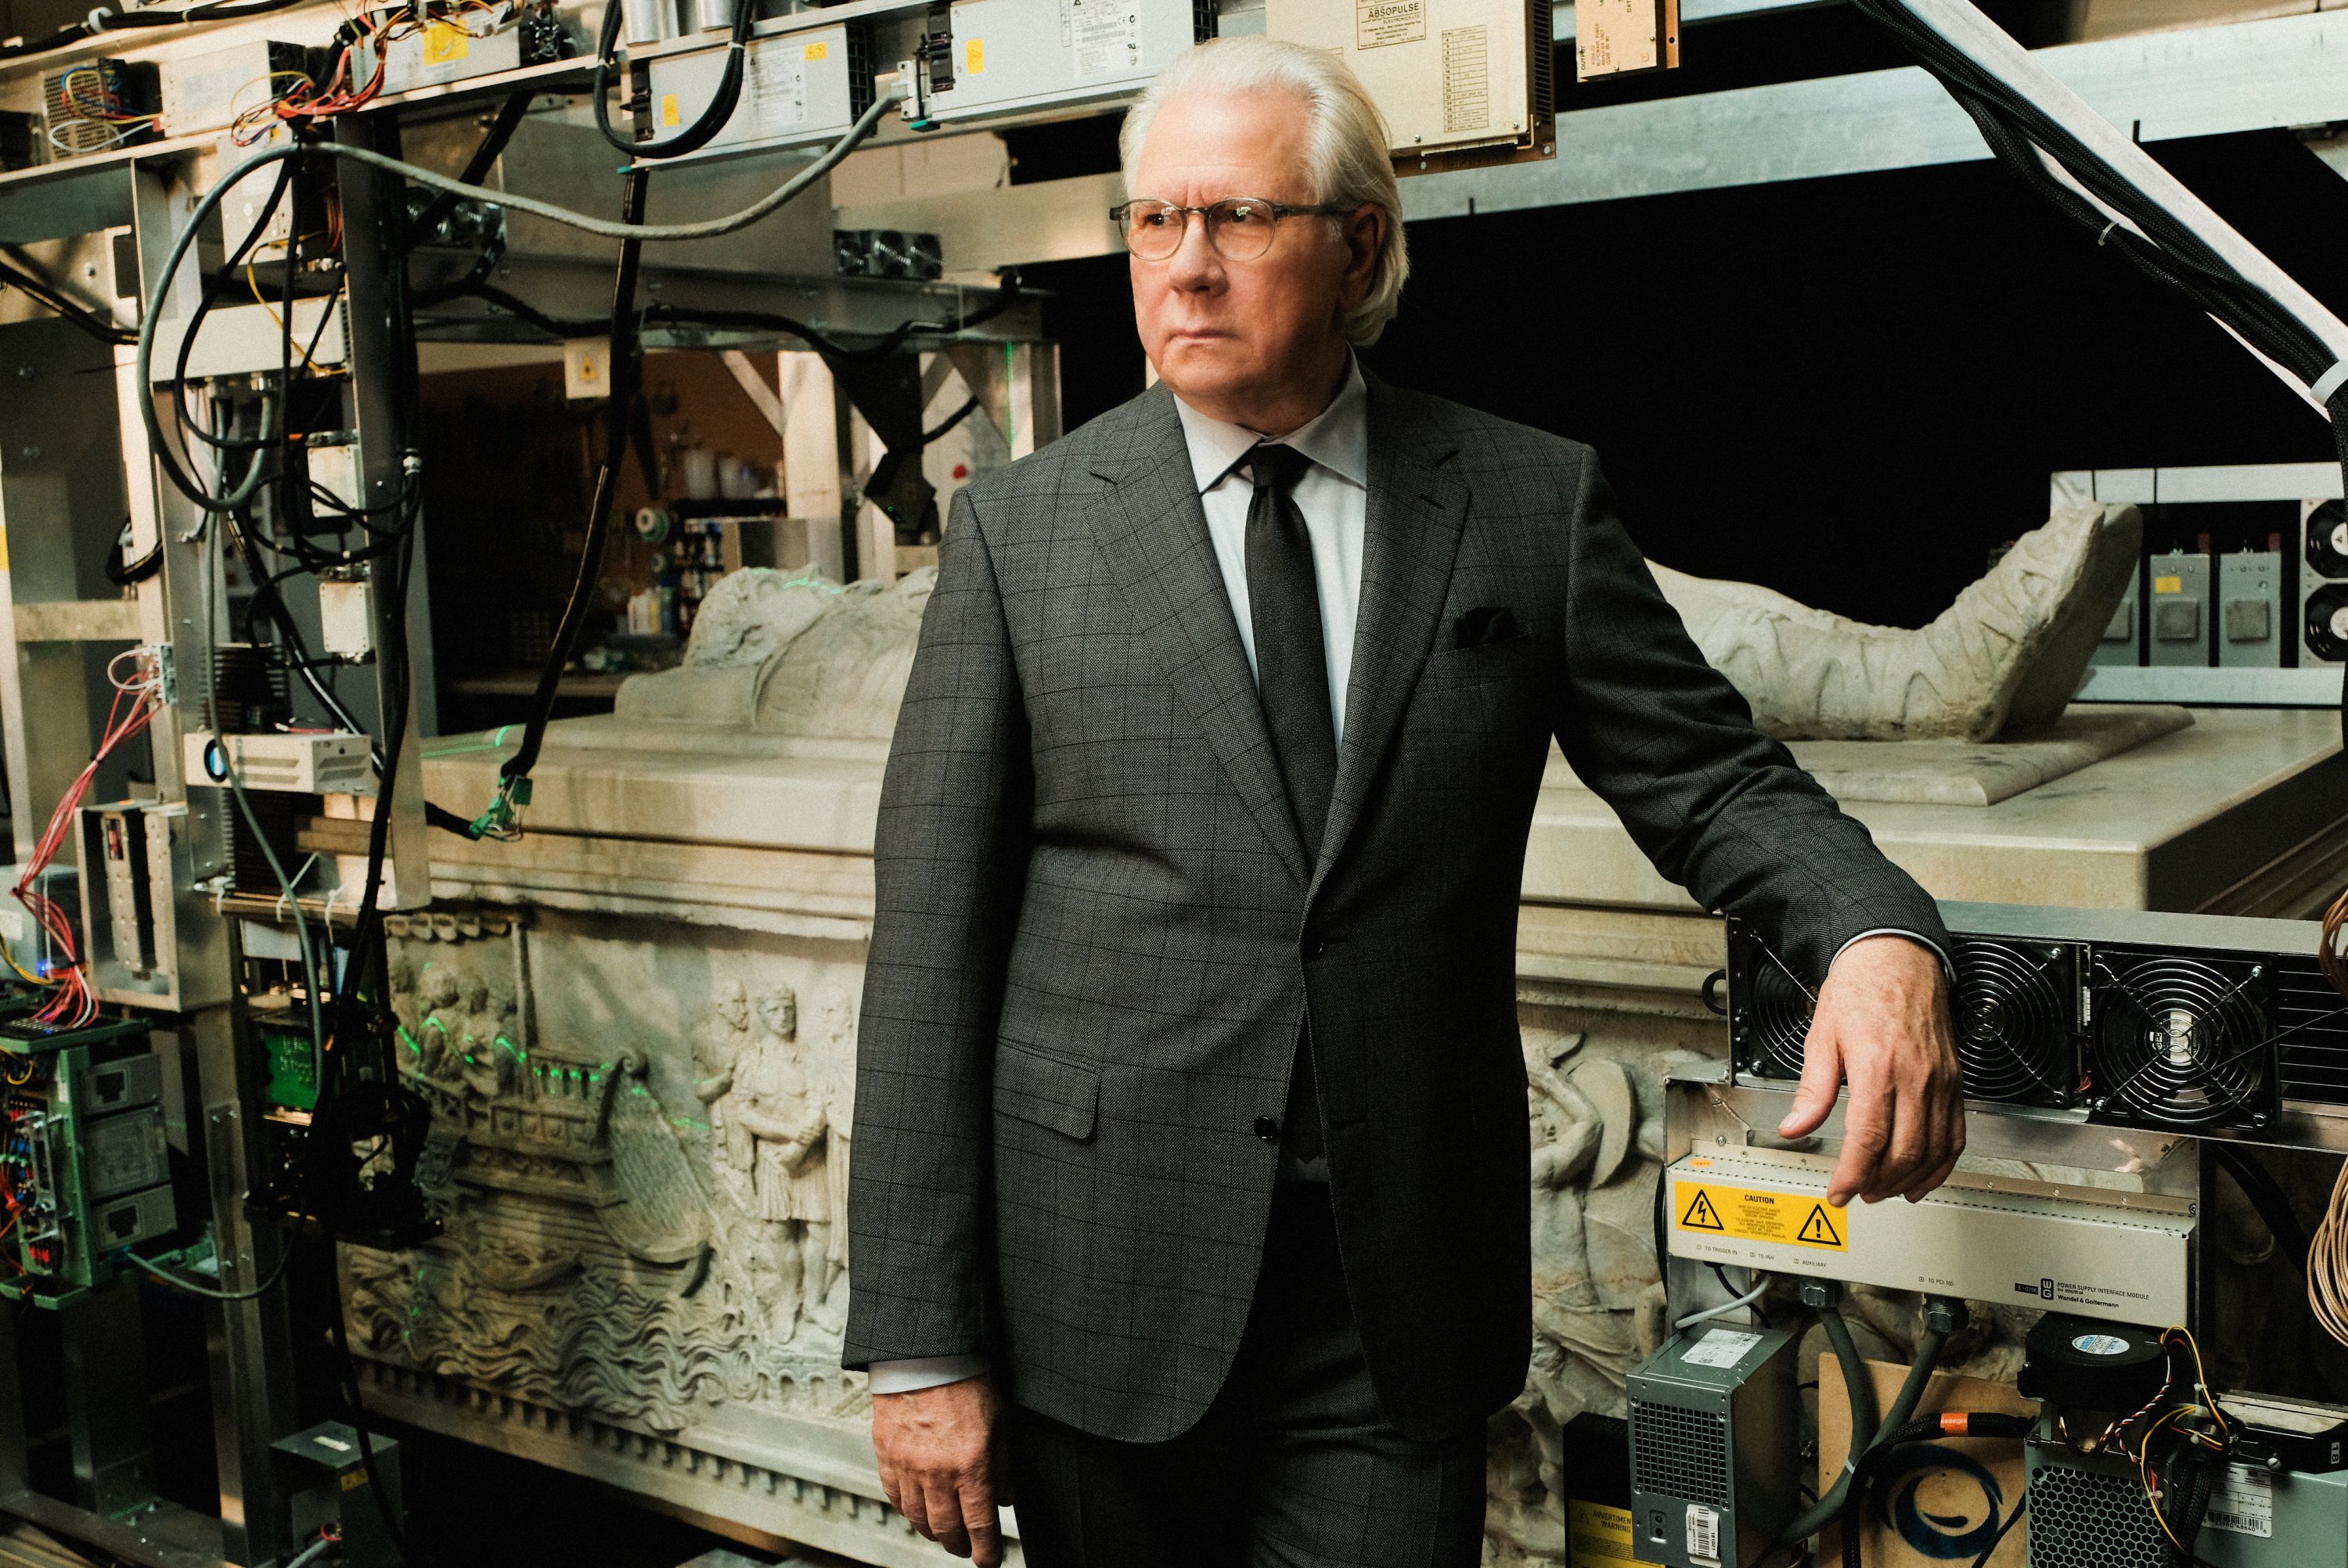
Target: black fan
[(2014, 1008), (1768, 1007), (2182, 1043)]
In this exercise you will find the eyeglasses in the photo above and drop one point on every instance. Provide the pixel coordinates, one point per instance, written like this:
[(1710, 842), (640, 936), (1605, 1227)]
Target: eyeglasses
[(1238, 228)]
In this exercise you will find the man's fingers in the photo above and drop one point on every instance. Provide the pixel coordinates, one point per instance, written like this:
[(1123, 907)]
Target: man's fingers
[(984, 1529), (1821, 1078), (943, 1507), (1932, 1178), (1910, 1149), (913, 1505), (1866, 1131)]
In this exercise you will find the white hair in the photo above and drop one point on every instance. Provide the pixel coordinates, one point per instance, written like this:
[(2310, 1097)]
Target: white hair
[(1345, 148)]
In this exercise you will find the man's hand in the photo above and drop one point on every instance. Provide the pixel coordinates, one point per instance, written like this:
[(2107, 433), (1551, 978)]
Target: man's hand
[(938, 1465), (1882, 1021)]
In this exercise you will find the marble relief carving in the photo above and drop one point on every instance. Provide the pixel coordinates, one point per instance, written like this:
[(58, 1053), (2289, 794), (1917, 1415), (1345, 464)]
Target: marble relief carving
[(610, 1250), (1596, 1101)]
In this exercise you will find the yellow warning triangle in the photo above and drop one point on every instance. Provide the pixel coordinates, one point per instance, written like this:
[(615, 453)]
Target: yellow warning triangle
[(1701, 1216), (1820, 1228)]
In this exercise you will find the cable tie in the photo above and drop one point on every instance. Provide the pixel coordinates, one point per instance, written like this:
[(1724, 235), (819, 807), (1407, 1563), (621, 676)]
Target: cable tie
[(2106, 232), (2329, 383), (95, 21)]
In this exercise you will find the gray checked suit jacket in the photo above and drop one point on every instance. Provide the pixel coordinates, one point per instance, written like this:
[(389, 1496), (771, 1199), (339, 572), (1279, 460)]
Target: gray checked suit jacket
[(1096, 935)]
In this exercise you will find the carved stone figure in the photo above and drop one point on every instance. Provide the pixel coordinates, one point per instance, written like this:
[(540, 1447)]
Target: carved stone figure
[(795, 656), (776, 1101), (441, 1023), (2009, 653)]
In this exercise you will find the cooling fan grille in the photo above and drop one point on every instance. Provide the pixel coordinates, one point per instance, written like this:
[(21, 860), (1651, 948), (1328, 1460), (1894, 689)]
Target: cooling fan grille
[(1769, 1008), (2015, 1009), (2182, 1041)]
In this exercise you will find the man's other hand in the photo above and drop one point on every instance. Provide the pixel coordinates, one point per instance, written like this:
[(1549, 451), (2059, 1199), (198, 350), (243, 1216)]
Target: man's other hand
[(1882, 1021), (937, 1453)]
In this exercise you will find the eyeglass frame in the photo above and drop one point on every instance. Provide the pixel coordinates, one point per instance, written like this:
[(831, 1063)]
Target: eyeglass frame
[(1279, 210)]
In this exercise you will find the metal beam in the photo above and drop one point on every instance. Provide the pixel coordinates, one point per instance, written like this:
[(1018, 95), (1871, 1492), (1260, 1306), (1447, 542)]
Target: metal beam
[(2205, 81)]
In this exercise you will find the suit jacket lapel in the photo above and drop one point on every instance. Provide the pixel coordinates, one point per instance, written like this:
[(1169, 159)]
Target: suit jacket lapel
[(1154, 540), (1411, 535)]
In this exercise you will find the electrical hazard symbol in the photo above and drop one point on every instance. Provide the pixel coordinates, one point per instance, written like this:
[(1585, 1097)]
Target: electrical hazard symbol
[(1740, 1213)]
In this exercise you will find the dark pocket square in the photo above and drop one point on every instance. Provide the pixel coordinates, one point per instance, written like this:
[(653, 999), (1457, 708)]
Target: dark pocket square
[(1485, 624)]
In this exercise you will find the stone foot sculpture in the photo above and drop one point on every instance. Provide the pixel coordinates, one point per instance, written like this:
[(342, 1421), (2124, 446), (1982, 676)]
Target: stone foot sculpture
[(2009, 654)]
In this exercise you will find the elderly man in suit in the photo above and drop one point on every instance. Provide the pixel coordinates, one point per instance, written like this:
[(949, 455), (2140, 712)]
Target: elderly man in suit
[(1190, 1202)]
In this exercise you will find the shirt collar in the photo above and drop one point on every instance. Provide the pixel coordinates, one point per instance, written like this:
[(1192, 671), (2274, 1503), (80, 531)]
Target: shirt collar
[(1338, 438)]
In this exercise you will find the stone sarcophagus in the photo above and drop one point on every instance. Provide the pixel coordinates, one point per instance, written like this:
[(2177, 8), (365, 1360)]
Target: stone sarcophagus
[(635, 1027)]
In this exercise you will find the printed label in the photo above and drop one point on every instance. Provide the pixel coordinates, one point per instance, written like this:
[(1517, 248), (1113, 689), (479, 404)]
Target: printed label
[(1600, 1536), (974, 57), (1467, 80), (818, 51), (1748, 1213), (1722, 1348), (1703, 1534), (2100, 1344), (1105, 36), (2242, 1501), (777, 84), (2168, 585), (669, 115), (1377, 23)]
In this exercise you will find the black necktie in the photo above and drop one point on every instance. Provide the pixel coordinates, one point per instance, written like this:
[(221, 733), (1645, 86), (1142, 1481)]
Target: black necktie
[(1292, 663)]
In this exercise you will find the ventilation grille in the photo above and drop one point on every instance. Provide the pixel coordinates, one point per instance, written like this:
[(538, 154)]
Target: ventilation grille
[(2310, 1022), (1206, 18), (1768, 1007), (2181, 1041), (2016, 1010), (2088, 1519), (1680, 1453), (859, 68), (1540, 45)]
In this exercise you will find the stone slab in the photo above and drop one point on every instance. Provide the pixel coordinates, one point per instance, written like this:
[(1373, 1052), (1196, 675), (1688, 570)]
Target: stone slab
[(2176, 823), (1978, 774)]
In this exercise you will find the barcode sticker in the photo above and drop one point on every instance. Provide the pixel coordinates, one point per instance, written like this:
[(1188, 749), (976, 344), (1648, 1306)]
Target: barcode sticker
[(2242, 1501), (1703, 1534)]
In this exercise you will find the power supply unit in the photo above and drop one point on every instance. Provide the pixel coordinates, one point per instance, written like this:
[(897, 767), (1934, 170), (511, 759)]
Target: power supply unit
[(2089, 1511), (1768, 1209), (805, 84), (98, 105), (2191, 1022), (1715, 1438), (1006, 56)]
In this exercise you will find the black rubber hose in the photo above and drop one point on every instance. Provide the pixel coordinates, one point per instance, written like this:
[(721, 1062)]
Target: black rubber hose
[(2267, 1197), (1983, 1424), (1829, 1506), (711, 120)]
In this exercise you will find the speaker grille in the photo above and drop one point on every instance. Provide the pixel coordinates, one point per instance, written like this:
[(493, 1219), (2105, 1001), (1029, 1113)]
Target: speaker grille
[(2089, 1518), (1678, 1452)]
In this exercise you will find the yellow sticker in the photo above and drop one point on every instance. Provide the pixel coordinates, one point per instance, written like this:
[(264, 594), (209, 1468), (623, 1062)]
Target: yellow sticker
[(974, 57), (1748, 1213), (2168, 585), (445, 41), (668, 110), (818, 51), (1598, 1536)]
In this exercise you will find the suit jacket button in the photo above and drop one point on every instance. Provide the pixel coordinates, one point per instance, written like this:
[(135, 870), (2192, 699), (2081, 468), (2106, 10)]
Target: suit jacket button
[(1267, 1129), (1316, 949)]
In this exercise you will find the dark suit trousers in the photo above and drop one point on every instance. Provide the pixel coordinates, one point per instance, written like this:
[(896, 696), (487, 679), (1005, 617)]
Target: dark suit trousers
[(1294, 1466)]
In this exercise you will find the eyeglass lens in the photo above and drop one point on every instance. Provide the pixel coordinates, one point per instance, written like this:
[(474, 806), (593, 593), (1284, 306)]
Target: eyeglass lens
[(1239, 229)]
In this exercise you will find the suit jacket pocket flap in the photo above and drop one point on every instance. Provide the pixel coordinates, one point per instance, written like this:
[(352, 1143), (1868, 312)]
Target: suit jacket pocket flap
[(1045, 1089)]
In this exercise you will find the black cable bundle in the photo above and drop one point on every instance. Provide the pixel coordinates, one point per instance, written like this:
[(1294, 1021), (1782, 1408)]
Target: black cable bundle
[(712, 119), (2017, 130)]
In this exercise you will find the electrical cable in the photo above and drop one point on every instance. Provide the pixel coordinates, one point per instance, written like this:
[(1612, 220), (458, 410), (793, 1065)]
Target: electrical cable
[(499, 821), (956, 417), (1928, 1345), (2327, 1264), (311, 1554), (2266, 1196), (712, 119), (2021, 1506), (173, 1280), (1972, 1424), (103, 20), (1761, 1284)]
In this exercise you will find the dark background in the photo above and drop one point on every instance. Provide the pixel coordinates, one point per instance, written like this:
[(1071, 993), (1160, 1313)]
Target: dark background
[(1848, 389)]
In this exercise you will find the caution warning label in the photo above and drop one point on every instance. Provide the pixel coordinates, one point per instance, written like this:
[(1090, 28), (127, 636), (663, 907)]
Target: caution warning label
[(1750, 1213)]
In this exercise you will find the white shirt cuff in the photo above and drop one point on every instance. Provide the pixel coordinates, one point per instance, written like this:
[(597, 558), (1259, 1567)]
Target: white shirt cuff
[(923, 1372), (1947, 967)]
